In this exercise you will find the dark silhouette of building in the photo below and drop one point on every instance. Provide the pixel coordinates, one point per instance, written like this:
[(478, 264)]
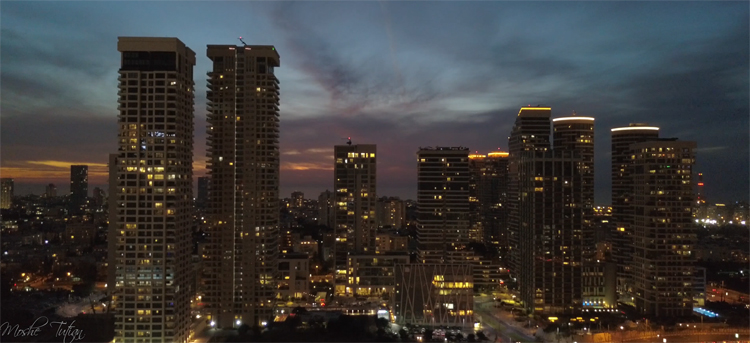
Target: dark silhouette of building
[(79, 188)]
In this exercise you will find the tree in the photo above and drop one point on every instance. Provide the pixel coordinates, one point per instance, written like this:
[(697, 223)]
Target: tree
[(471, 338), (481, 336)]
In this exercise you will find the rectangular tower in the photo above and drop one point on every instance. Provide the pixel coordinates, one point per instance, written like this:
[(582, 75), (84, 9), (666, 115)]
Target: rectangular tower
[(355, 185), (243, 197), (488, 198), (663, 231), (79, 188), (530, 133), (154, 168), (551, 241), (6, 197), (443, 204), (622, 138)]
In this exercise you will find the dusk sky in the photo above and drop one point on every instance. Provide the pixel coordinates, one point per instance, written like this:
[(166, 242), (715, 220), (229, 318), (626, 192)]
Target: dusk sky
[(397, 74)]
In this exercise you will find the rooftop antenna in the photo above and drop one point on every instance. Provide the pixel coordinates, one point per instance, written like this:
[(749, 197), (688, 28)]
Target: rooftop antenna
[(243, 42), (349, 140)]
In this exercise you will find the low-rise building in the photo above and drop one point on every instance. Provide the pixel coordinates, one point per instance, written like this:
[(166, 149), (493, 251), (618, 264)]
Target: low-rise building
[(294, 276), (373, 275)]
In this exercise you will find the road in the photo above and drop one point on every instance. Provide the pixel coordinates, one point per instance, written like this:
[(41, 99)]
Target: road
[(484, 306)]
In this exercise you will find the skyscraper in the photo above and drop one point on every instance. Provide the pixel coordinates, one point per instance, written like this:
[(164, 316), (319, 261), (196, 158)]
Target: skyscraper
[(622, 138), (530, 133), (488, 196), (6, 197), (79, 187), (442, 205), (50, 191), (326, 208), (550, 210), (355, 186), (154, 168), (663, 231), (243, 163)]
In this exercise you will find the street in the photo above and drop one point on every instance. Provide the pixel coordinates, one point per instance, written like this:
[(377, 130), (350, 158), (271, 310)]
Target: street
[(496, 325)]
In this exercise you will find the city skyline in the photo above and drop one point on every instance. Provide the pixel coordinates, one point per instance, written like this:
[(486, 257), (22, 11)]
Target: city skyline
[(368, 76)]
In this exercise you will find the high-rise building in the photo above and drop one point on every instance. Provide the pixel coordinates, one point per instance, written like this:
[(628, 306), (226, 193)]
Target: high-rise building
[(530, 133), (390, 212), (50, 191), (488, 197), (243, 164), (550, 211), (202, 200), (79, 187), (355, 186), (154, 173), (663, 232), (442, 205), (6, 197), (298, 199), (98, 196), (326, 208), (622, 138)]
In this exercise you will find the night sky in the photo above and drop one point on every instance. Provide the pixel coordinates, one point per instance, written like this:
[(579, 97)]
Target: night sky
[(396, 74)]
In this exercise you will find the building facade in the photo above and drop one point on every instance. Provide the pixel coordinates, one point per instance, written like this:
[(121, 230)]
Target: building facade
[(550, 211), (390, 212), (435, 295), (488, 198), (6, 193), (442, 204), (530, 132), (153, 167), (355, 185), (373, 275), (243, 164), (622, 138), (664, 234), (326, 208), (79, 188)]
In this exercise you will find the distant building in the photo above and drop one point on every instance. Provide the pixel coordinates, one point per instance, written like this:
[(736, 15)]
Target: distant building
[(79, 187), (298, 199), (98, 197), (306, 245), (661, 201), (294, 281), (50, 191), (202, 199), (355, 185), (434, 295), (390, 212), (80, 233), (326, 209), (442, 204), (390, 242), (6, 197)]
